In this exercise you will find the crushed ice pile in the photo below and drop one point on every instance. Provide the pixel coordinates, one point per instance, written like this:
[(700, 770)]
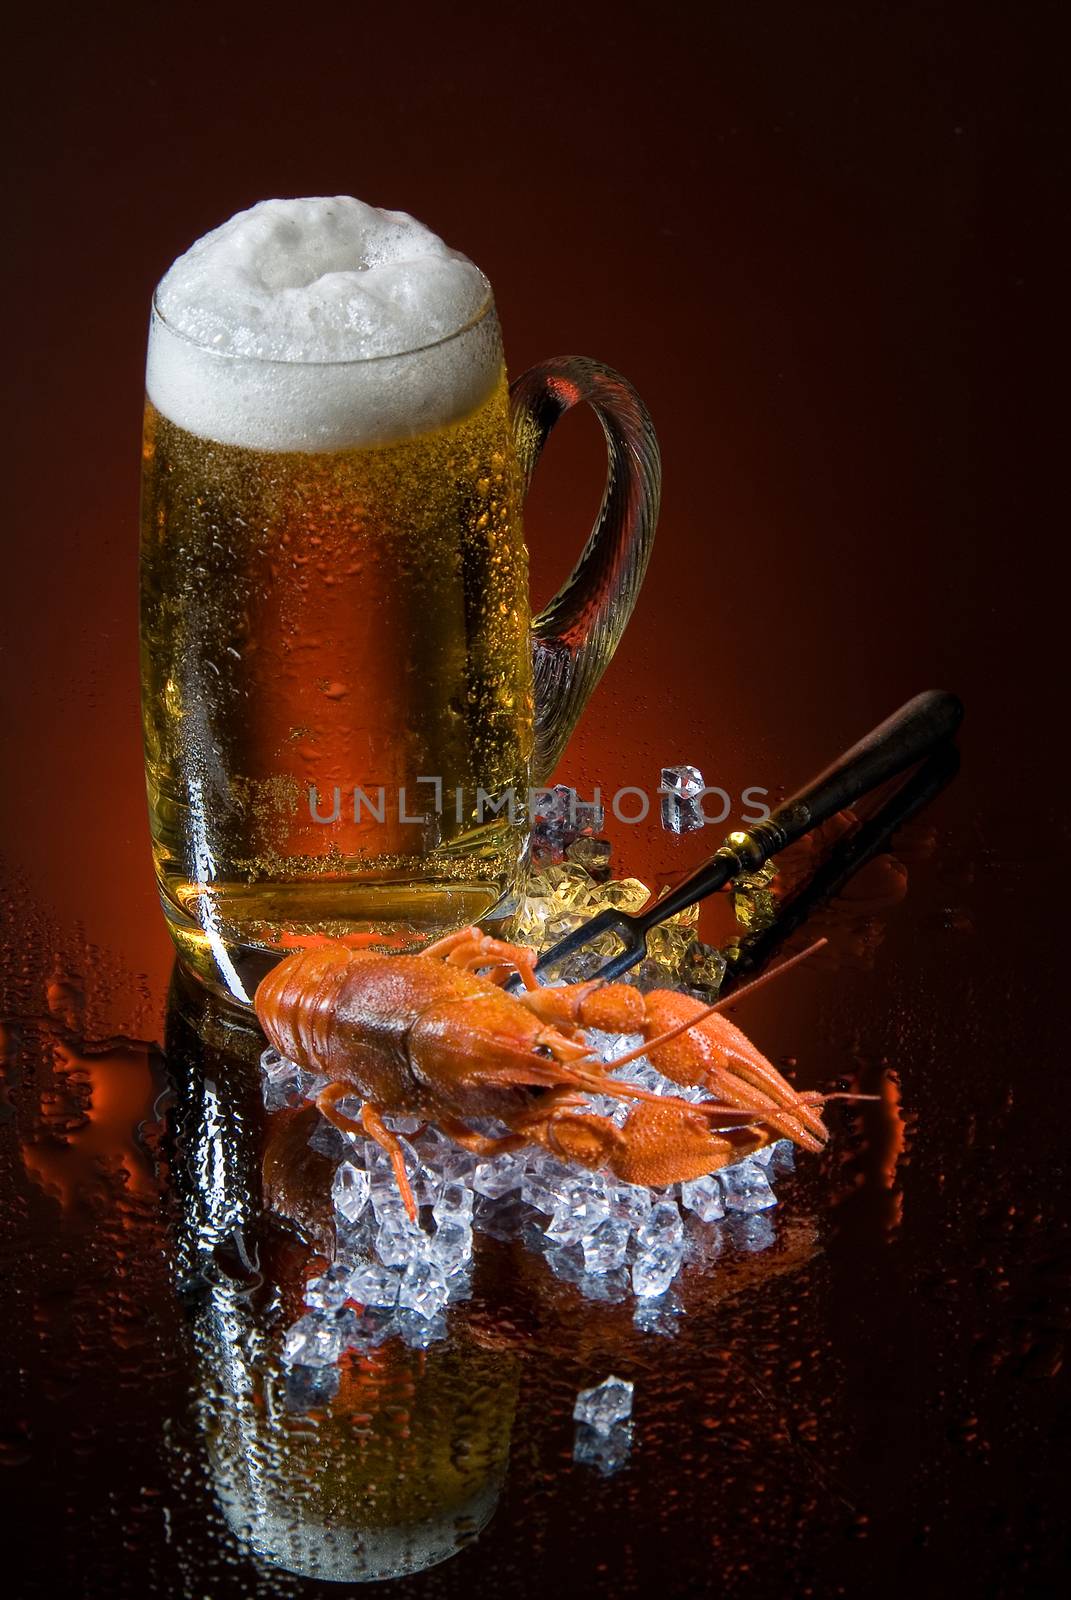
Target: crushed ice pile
[(603, 1435), (391, 1277), (570, 882), (608, 1238)]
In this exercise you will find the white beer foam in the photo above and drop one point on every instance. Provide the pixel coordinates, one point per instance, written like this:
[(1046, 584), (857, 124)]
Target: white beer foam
[(294, 326)]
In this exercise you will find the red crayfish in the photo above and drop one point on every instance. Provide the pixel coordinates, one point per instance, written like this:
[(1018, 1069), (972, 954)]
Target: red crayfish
[(434, 1036)]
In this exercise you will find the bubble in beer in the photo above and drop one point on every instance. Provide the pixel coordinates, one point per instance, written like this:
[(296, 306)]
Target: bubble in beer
[(286, 329)]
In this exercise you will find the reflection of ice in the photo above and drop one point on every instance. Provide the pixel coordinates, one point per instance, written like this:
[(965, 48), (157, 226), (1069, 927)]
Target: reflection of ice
[(661, 1315), (603, 1435), (607, 1452), (610, 1239), (682, 807), (606, 1403), (752, 1233)]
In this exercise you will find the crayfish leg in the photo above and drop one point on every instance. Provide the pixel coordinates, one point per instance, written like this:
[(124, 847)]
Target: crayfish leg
[(472, 949), (479, 1143), (327, 1107), (371, 1122), (377, 1129)]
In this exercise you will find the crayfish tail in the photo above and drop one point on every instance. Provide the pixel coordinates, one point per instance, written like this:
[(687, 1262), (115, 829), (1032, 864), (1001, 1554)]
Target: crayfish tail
[(295, 1002)]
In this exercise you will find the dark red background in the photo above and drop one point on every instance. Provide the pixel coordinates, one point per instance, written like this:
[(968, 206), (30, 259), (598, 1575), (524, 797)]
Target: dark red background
[(817, 239), (807, 234)]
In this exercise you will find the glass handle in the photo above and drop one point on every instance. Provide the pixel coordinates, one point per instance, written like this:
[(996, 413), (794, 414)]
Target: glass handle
[(575, 636)]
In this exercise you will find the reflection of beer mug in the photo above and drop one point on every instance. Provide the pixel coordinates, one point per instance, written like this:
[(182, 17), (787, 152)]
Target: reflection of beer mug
[(346, 701), (403, 1462)]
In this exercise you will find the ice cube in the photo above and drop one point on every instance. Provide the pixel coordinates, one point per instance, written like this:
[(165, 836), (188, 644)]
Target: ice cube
[(782, 1156), (373, 1285), (458, 1166), (284, 1083), (566, 1262), (662, 1225), (398, 1241), (604, 1249), (403, 1124), (315, 1340), (423, 1288), (693, 1092), (612, 1045), (593, 855), (386, 1196), (580, 1210), (418, 1331), (350, 1190), (580, 966), (350, 1105), (754, 903), (558, 927), (560, 817), (498, 1176), (702, 1241), (454, 1203), (655, 1268), (426, 1185), (328, 1141), (530, 920), (702, 967), (629, 1202), (354, 1241), (606, 1403), (568, 885), (535, 1191), (373, 1325), (331, 1291), (502, 1219), (746, 1187), (682, 806), (607, 1452), (651, 974), (667, 946), (704, 1197), (348, 1324), (625, 894), (433, 1146), (451, 1246), (643, 1075)]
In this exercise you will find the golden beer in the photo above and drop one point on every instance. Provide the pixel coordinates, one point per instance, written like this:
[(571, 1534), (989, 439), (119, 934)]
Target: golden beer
[(345, 698), (320, 632)]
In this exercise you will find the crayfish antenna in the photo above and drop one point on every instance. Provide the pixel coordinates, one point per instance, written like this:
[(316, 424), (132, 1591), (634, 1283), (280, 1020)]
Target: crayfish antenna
[(719, 1005), (846, 1094)]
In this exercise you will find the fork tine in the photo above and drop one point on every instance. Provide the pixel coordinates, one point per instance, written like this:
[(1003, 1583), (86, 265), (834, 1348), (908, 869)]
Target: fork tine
[(608, 921), (615, 965)]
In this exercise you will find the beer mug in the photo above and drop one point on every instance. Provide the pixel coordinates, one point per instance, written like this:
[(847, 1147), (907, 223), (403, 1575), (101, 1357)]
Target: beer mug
[(347, 704)]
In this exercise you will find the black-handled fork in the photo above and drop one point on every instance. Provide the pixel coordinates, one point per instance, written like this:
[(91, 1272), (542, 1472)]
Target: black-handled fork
[(896, 744), (848, 856)]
